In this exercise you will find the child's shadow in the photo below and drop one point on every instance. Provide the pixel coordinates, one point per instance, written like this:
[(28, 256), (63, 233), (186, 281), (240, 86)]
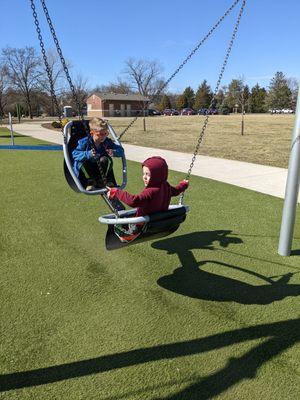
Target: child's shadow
[(192, 281)]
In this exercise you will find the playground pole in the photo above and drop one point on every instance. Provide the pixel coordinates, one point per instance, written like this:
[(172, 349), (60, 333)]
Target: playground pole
[(11, 129), (291, 190)]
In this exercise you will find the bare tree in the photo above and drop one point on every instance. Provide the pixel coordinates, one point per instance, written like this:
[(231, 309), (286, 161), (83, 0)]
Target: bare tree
[(57, 75), (120, 87), (293, 84), (24, 71), (82, 91), (238, 96), (3, 89), (143, 76)]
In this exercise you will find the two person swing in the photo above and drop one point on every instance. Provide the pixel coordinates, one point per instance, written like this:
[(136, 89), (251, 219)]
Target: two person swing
[(155, 225)]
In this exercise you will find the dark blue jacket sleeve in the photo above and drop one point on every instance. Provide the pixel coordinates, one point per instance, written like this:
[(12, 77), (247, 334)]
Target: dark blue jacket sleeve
[(118, 151)]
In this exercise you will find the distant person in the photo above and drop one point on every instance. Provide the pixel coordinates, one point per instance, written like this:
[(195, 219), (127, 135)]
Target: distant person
[(93, 148), (154, 198)]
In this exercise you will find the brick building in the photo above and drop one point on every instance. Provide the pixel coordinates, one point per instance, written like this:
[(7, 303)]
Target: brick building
[(115, 105)]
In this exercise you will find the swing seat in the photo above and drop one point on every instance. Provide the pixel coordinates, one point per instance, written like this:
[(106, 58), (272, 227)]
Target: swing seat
[(155, 226), (73, 132)]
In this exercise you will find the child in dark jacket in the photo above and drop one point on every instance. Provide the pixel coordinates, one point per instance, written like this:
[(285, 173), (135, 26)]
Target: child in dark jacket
[(157, 194), (89, 149)]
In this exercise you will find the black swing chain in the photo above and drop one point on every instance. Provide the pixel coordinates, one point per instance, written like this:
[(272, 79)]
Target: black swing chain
[(202, 132), (66, 70), (159, 90), (62, 59), (52, 91), (75, 97), (202, 41)]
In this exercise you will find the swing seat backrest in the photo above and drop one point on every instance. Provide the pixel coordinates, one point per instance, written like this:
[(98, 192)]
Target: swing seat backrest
[(79, 130)]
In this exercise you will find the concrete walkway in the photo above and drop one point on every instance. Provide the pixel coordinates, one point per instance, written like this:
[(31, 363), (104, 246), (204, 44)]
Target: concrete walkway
[(260, 178)]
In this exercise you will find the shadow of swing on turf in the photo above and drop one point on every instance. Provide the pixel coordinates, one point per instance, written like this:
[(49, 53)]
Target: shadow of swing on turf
[(279, 336), (193, 281), (295, 252)]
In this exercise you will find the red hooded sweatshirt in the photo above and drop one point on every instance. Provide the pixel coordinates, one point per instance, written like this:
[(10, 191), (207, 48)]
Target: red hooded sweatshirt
[(157, 195)]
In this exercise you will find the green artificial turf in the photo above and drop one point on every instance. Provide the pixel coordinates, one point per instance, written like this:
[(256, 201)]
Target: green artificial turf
[(5, 139), (211, 312)]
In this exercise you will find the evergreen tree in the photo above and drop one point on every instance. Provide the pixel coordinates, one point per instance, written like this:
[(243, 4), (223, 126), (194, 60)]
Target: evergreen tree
[(165, 102), (203, 96), (224, 109), (280, 95), (258, 99), (181, 102), (220, 97), (190, 97), (246, 98)]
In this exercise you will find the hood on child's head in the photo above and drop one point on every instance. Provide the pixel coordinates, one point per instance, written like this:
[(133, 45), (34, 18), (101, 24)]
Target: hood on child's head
[(158, 169)]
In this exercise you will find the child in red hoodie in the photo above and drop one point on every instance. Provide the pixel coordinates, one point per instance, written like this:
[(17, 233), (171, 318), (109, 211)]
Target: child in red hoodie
[(157, 194)]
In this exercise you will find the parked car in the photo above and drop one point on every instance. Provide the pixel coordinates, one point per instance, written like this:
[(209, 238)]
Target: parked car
[(287, 111), (188, 111), (213, 111), (170, 111), (275, 111), (282, 111), (210, 111), (153, 112)]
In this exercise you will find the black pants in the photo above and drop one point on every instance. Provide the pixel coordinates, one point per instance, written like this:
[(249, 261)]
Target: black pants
[(89, 173)]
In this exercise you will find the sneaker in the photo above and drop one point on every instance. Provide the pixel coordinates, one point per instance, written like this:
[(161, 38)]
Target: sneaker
[(111, 184), (128, 233), (90, 188), (93, 187)]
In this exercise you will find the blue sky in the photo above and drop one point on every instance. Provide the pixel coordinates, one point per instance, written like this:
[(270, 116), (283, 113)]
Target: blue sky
[(98, 36)]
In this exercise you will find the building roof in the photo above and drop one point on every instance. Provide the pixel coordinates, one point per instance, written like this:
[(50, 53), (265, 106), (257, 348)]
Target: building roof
[(121, 97)]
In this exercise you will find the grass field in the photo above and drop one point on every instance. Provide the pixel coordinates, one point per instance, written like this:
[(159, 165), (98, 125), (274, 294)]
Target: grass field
[(267, 138), (212, 312)]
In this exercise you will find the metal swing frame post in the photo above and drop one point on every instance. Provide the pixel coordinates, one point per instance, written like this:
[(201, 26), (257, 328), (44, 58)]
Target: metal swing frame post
[(291, 190)]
